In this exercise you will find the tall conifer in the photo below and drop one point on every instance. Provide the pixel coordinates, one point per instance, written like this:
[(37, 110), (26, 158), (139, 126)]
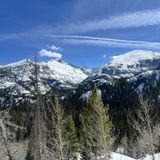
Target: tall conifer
[(96, 128)]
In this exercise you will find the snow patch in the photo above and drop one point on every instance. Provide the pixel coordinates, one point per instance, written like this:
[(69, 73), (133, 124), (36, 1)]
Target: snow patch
[(117, 156), (86, 95), (140, 87)]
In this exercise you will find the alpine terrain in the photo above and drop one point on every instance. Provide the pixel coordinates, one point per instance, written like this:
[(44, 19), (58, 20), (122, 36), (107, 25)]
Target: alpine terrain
[(114, 90)]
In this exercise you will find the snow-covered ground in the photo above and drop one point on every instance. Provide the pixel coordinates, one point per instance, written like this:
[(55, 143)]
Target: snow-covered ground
[(117, 156), (156, 156)]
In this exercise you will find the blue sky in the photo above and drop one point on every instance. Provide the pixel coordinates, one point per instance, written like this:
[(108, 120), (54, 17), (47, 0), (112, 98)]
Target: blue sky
[(82, 32)]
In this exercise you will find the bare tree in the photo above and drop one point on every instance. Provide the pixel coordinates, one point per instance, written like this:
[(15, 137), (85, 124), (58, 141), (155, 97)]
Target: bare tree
[(61, 139), (148, 131), (56, 140)]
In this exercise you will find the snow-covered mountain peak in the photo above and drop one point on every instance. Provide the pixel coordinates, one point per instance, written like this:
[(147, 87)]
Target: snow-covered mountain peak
[(134, 57), (62, 67), (66, 72), (17, 77), (19, 63), (131, 63)]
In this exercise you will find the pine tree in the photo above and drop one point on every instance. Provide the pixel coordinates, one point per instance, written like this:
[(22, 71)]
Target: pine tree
[(62, 138), (96, 128), (72, 137)]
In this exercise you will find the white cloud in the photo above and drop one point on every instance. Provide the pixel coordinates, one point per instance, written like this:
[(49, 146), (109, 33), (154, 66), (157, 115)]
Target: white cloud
[(107, 42), (104, 56), (54, 48), (52, 54)]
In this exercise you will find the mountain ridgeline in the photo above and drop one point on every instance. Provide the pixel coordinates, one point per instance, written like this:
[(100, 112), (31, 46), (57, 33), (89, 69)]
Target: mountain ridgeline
[(120, 82)]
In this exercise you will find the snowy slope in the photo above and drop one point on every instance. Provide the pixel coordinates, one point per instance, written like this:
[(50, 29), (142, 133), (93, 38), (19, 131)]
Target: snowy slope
[(65, 72), (19, 63), (16, 78)]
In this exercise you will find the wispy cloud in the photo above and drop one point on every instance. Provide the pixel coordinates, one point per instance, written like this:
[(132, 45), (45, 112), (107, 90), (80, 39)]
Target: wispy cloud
[(124, 20), (52, 54), (9, 36), (106, 42), (86, 40)]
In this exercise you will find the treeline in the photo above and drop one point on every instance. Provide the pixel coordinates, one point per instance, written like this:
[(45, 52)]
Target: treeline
[(54, 133)]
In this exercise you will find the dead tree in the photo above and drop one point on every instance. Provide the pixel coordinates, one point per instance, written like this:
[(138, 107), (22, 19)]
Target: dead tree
[(4, 142), (148, 131), (37, 134)]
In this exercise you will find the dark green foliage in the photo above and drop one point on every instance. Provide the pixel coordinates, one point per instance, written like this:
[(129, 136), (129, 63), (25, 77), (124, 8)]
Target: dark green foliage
[(28, 156), (96, 128), (22, 116), (122, 99), (19, 135), (71, 134)]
